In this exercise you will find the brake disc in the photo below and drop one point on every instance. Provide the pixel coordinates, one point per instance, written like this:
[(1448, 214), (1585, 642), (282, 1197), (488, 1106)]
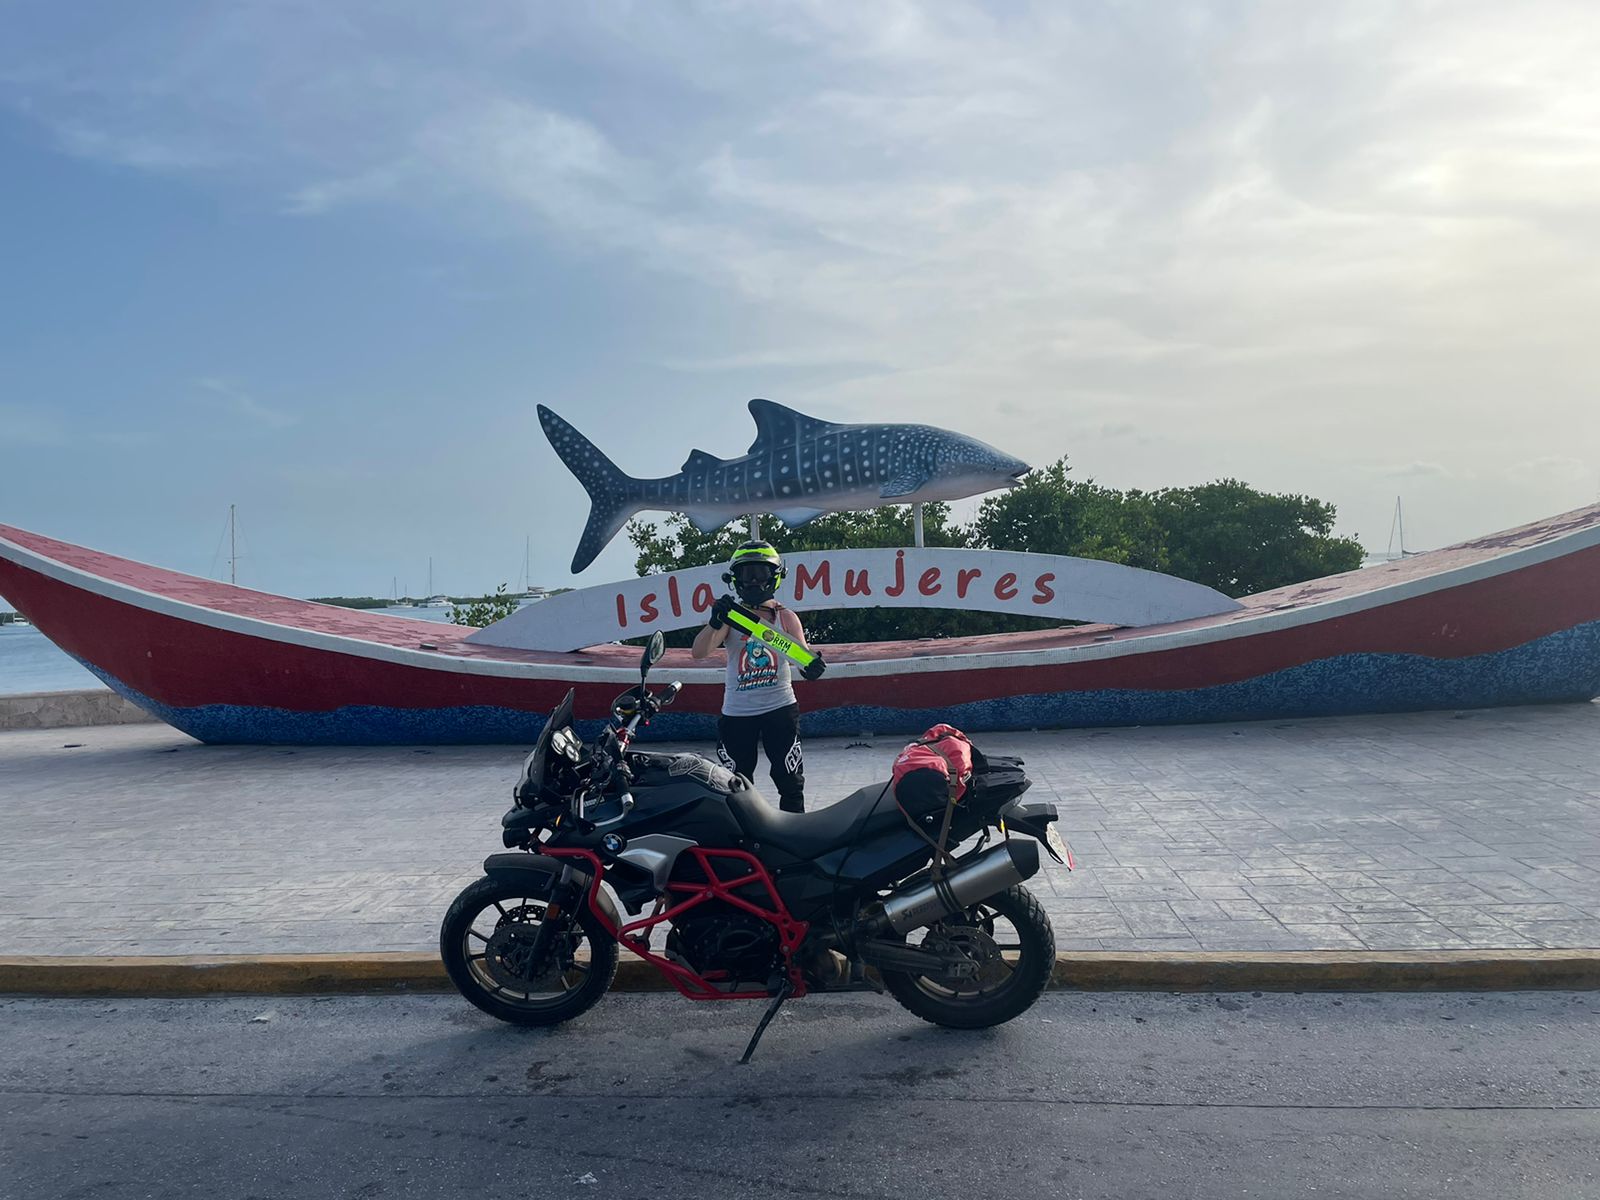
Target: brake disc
[(975, 945), (508, 955)]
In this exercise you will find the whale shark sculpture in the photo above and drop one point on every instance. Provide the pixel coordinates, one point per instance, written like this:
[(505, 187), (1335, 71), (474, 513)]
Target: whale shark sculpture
[(797, 468)]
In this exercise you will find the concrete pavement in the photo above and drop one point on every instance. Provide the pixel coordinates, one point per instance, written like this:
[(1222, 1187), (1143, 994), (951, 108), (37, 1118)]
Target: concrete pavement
[(1424, 831), (1086, 1095)]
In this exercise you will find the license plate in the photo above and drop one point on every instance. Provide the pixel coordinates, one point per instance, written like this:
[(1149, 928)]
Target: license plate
[(1053, 840)]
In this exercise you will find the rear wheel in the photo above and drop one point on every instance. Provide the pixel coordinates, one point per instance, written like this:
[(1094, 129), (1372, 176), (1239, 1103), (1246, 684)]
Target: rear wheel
[(487, 943), (1009, 939)]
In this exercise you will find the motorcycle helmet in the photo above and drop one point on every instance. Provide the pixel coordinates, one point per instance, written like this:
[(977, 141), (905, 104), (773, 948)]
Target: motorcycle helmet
[(755, 571)]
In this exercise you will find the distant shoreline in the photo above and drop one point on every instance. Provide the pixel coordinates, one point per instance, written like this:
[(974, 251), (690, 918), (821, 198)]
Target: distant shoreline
[(418, 601)]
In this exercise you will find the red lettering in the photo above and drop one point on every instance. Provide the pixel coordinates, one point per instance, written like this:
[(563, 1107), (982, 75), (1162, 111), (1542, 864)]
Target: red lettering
[(1045, 592), (817, 580), (647, 608), (703, 598), (964, 578), (899, 584), (672, 595), (856, 584), (928, 585), (622, 611), (1005, 587)]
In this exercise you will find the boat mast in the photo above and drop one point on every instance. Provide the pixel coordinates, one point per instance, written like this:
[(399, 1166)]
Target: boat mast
[(233, 548), (1396, 522)]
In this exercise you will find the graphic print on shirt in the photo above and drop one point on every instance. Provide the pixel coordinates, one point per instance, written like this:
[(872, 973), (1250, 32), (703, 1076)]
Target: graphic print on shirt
[(757, 667)]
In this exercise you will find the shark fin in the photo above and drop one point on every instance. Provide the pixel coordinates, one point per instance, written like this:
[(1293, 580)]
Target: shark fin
[(705, 522), (797, 516), (610, 499), (903, 484), (779, 426), (699, 460)]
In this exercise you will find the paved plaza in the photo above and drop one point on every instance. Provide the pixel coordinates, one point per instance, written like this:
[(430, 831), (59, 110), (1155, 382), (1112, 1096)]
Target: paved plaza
[(1422, 831)]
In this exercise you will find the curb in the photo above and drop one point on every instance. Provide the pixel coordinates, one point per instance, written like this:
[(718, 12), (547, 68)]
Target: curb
[(1220, 971), (85, 708)]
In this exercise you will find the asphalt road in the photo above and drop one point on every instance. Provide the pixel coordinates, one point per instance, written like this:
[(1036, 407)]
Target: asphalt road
[(1093, 1095)]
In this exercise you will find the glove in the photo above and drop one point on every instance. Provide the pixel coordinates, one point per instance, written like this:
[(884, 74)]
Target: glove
[(814, 669), (720, 610)]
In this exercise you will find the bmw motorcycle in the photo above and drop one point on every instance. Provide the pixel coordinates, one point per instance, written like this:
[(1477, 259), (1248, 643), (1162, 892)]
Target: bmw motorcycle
[(731, 899)]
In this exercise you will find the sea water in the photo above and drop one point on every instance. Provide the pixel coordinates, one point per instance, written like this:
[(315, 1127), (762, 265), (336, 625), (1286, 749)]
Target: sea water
[(30, 662)]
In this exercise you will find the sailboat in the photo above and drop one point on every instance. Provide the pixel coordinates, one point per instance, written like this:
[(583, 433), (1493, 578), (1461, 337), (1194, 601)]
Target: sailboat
[(1397, 533), (433, 601), (1398, 525)]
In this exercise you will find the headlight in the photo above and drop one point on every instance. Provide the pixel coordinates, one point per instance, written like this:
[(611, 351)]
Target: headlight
[(567, 743)]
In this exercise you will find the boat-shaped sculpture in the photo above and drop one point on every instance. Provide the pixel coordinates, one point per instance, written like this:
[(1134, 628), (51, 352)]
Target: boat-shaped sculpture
[(1513, 618)]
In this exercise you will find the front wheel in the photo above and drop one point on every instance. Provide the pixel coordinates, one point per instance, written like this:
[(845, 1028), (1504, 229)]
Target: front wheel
[(487, 943), (1010, 940)]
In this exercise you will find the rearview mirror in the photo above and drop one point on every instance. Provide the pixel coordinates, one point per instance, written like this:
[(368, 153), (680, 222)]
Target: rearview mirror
[(653, 651)]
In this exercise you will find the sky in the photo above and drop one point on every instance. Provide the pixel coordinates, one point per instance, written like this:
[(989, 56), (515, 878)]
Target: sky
[(321, 259)]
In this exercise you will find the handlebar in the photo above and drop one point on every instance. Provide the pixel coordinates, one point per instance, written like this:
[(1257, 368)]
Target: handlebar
[(614, 742)]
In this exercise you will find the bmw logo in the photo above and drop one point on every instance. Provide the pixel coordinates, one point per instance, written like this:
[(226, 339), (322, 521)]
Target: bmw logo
[(613, 843)]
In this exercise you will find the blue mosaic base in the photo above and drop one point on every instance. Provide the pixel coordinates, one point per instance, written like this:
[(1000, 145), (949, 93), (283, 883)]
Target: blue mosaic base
[(1564, 666)]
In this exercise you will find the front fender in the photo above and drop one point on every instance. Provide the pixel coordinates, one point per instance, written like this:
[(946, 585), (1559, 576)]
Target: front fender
[(538, 873)]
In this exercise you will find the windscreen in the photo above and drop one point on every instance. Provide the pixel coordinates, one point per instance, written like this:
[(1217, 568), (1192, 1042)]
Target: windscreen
[(532, 778)]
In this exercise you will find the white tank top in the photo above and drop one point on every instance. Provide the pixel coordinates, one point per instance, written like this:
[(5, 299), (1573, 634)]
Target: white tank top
[(758, 678)]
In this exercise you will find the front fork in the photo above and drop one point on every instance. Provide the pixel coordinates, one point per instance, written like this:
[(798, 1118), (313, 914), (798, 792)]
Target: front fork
[(562, 910)]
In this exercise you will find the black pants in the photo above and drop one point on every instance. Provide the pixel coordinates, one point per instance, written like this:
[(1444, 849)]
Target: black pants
[(778, 732)]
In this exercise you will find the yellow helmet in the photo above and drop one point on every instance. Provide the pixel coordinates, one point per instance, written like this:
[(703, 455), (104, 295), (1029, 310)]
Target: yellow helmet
[(755, 571)]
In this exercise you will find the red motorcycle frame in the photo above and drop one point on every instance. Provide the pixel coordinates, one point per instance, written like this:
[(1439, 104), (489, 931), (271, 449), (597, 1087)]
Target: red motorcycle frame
[(689, 983)]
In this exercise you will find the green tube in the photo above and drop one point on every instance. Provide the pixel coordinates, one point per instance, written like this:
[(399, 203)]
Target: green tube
[(779, 641)]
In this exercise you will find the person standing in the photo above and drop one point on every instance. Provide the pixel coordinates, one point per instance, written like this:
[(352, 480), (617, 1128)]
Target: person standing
[(759, 709)]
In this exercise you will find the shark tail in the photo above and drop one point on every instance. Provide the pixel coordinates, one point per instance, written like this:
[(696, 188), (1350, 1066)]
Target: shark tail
[(611, 500)]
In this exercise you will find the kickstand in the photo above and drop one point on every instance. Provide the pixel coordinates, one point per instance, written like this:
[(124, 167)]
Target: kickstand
[(785, 990)]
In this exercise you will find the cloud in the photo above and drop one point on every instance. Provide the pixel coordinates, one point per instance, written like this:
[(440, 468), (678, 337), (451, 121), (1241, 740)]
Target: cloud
[(779, 357), (1415, 470), (1275, 235), (1560, 466), (29, 425), (137, 150), (233, 399)]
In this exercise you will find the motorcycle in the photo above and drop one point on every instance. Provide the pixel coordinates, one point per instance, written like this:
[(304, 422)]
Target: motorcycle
[(757, 903)]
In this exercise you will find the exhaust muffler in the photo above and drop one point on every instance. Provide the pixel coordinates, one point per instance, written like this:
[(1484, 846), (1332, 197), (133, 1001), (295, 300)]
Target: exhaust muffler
[(992, 871)]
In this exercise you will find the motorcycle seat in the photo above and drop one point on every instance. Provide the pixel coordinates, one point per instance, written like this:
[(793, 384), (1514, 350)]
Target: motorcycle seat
[(812, 834)]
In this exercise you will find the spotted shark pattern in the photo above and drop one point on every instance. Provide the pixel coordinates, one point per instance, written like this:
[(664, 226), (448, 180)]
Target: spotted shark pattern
[(797, 468)]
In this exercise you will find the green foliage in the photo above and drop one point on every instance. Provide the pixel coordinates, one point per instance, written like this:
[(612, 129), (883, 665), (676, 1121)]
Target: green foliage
[(1240, 541), (1225, 534), (352, 601), (485, 611), (1048, 513)]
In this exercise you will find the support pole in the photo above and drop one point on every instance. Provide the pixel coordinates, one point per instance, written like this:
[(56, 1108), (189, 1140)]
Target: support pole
[(916, 523), (755, 527)]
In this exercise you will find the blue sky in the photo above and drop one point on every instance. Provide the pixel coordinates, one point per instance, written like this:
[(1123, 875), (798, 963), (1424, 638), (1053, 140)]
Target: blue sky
[(322, 259)]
